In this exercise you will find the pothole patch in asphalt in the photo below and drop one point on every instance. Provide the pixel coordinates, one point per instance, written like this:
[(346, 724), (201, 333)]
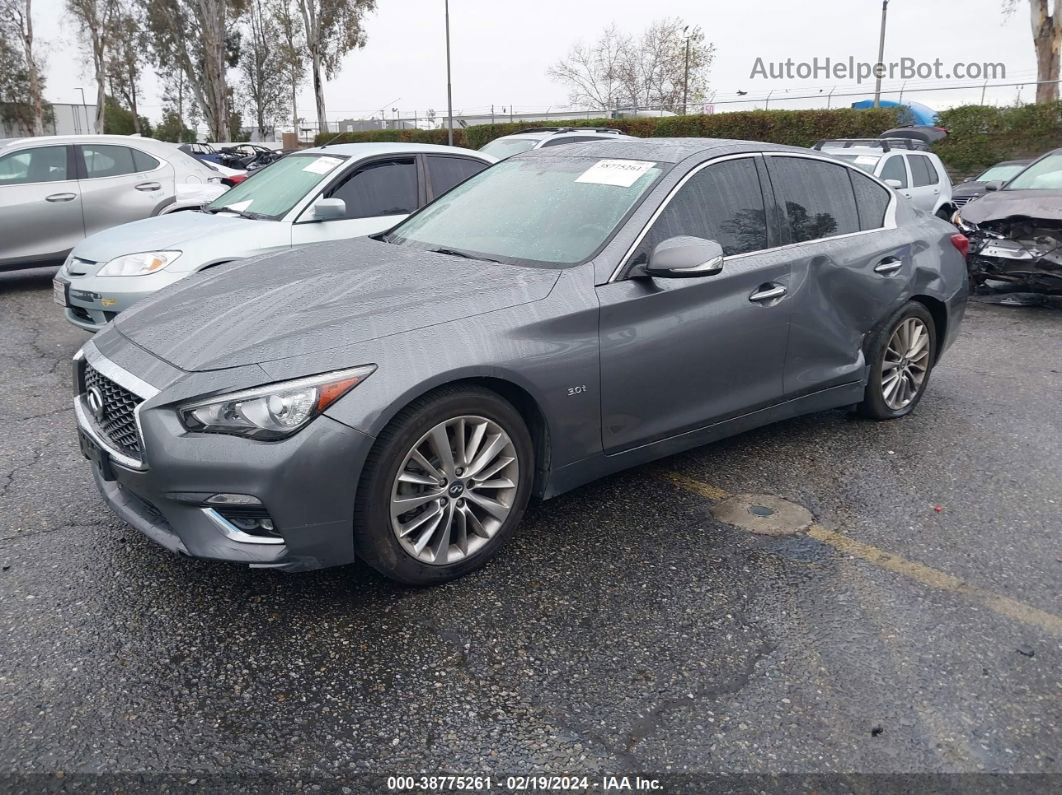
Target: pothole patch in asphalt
[(765, 514)]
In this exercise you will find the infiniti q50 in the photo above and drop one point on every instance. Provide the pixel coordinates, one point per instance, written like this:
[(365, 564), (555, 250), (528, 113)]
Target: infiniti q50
[(568, 313)]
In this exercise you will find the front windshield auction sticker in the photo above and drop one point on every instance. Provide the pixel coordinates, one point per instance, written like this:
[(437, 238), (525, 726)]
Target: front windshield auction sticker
[(322, 165), (621, 173), (239, 206)]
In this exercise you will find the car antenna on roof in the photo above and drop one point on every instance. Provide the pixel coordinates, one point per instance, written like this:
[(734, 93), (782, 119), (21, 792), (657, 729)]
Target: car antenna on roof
[(326, 143)]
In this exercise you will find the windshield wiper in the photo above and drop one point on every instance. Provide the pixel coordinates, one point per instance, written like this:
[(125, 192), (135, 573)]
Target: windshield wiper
[(453, 252)]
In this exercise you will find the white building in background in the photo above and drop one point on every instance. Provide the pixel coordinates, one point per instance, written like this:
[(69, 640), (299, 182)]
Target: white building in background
[(69, 119)]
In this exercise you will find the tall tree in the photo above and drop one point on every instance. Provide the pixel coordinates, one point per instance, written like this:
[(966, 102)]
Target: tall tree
[(195, 36), (16, 26), (1046, 18), (291, 47), (332, 28), (648, 71), (125, 61), (177, 98), (95, 21), (261, 64)]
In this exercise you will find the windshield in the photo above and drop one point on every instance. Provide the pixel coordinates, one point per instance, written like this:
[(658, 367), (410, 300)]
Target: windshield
[(1000, 173), (1045, 174), (502, 148), (541, 210), (866, 162), (273, 191)]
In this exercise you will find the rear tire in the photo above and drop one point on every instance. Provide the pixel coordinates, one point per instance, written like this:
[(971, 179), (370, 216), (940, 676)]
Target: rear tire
[(444, 486), (902, 353)]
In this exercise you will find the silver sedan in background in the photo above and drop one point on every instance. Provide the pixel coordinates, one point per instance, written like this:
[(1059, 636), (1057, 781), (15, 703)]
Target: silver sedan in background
[(55, 190)]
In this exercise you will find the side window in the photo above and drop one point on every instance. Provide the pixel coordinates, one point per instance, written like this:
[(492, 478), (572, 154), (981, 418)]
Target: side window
[(40, 164), (895, 169), (722, 202), (107, 161), (872, 200), (143, 161), (922, 171), (445, 172), (817, 197), (388, 187)]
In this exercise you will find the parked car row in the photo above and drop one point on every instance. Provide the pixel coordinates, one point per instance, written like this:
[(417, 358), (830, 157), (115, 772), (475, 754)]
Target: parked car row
[(503, 332)]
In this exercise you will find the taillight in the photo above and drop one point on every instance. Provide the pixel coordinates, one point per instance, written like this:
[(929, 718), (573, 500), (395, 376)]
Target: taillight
[(962, 243), (234, 180)]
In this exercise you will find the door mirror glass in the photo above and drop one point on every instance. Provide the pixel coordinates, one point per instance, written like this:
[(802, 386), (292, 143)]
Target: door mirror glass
[(329, 209), (685, 257), (994, 184), (894, 183)]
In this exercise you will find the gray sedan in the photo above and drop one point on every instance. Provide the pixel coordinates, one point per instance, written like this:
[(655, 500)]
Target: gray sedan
[(563, 315), (55, 190)]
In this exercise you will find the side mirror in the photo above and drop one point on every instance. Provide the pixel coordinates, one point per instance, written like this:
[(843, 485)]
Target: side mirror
[(329, 209), (685, 257), (895, 184), (994, 185)]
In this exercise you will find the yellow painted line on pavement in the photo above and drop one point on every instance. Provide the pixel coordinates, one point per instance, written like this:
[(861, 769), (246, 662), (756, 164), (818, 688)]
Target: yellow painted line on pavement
[(926, 575)]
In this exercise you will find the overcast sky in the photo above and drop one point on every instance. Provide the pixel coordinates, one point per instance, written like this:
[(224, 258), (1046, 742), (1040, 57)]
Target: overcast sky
[(501, 50)]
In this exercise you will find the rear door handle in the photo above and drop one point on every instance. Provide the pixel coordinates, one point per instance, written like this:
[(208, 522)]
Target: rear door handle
[(888, 266), (148, 186), (767, 293), (60, 197)]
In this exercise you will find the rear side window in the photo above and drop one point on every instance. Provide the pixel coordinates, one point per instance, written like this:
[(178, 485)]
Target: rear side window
[(872, 200), (144, 161), (107, 161), (817, 198), (895, 169), (722, 202), (445, 172), (388, 187), (922, 171), (40, 164)]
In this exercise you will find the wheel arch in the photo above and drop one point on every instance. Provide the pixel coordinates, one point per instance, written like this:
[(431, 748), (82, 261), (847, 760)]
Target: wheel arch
[(939, 311), (518, 395)]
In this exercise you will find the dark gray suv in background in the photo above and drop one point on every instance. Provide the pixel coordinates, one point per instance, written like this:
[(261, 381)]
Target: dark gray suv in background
[(562, 315)]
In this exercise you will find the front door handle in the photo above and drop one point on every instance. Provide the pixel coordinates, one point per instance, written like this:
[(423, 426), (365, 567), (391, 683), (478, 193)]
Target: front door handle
[(767, 292), (61, 197), (888, 266), (148, 186)]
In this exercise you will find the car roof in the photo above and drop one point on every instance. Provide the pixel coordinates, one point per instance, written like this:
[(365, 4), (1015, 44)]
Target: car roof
[(390, 148), (659, 150)]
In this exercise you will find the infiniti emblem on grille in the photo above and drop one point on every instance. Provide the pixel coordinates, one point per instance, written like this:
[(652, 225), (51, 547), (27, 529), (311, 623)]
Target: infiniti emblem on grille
[(94, 398)]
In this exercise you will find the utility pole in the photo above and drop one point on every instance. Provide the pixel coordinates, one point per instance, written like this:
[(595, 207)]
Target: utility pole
[(449, 95), (879, 67), (686, 74)]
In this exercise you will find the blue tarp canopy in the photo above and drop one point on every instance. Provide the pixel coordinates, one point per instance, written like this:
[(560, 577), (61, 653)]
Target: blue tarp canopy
[(919, 113)]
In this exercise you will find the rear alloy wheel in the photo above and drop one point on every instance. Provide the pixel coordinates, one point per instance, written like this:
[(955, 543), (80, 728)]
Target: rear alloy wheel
[(904, 351), (444, 487)]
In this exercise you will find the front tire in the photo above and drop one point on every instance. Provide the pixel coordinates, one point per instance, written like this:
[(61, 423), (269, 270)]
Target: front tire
[(902, 354), (444, 487)]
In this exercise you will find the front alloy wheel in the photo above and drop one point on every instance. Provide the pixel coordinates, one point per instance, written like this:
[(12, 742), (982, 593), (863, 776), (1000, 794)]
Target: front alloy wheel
[(454, 490)]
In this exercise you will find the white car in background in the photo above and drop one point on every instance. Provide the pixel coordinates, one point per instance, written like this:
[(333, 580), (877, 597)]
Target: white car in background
[(901, 163), (327, 193), (541, 137)]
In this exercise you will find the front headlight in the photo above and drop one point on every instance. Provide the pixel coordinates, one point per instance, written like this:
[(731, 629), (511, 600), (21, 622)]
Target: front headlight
[(271, 412), (965, 226), (138, 264)]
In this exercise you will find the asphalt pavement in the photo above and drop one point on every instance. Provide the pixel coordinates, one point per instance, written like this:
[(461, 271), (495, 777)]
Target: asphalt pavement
[(914, 628)]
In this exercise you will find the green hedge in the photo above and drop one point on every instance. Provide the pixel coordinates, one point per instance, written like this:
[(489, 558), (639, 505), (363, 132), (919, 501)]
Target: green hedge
[(795, 127), (979, 135)]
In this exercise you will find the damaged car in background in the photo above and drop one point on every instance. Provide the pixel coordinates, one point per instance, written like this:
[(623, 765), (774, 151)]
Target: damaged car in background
[(1015, 231)]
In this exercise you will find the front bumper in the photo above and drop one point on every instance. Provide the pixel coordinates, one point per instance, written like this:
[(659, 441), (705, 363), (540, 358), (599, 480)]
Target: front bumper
[(93, 301), (305, 483)]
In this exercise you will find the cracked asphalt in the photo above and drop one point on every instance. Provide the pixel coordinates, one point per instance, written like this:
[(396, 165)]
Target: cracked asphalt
[(623, 630)]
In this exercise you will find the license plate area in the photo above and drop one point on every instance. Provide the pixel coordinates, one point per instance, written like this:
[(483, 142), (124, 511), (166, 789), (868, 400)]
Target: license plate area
[(61, 292), (97, 455)]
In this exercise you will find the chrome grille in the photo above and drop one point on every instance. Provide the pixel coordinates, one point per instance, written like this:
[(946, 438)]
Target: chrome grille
[(118, 423), (959, 201)]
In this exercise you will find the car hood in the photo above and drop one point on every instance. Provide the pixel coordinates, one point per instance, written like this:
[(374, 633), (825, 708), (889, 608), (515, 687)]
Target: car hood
[(174, 231), (317, 298), (971, 188), (1042, 204)]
